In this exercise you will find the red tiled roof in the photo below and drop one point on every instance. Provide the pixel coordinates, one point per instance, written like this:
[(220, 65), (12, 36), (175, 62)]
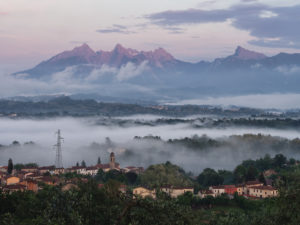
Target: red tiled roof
[(253, 182), (47, 168), (218, 187), (77, 167), (92, 168)]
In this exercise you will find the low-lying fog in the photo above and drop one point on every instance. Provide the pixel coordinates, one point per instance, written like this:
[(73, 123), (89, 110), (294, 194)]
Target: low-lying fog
[(79, 134)]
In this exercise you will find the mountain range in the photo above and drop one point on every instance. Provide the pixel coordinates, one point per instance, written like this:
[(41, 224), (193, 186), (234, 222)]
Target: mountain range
[(243, 72)]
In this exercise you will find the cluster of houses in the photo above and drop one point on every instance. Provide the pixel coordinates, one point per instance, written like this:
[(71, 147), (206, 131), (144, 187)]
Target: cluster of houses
[(250, 189), (29, 178)]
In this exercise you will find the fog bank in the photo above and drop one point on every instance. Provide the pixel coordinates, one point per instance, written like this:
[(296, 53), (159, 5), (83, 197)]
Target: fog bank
[(79, 134)]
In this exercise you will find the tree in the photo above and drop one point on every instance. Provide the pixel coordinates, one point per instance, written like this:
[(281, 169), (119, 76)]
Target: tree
[(131, 177), (279, 160), (83, 163), (10, 166), (15, 143), (262, 179), (99, 160), (77, 164), (252, 173), (239, 174), (209, 177)]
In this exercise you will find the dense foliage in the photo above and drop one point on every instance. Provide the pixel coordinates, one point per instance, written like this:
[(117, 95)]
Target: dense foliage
[(165, 175)]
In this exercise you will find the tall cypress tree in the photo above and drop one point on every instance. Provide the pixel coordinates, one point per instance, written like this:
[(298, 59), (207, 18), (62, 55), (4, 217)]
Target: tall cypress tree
[(10, 166), (99, 160)]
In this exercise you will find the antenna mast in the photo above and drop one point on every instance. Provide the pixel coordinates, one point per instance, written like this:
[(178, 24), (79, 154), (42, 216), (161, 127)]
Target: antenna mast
[(58, 159)]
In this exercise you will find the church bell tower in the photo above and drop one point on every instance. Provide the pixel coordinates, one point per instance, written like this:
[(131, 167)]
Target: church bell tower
[(112, 163)]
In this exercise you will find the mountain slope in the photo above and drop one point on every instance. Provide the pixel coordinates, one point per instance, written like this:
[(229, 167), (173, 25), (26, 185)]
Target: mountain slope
[(126, 72)]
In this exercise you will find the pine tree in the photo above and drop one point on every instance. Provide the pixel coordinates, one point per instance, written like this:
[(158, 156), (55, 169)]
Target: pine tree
[(99, 160), (83, 163), (262, 179), (77, 164), (10, 166)]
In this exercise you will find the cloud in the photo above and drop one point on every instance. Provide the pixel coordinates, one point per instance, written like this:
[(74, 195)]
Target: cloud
[(131, 70), (175, 30), (116, 28), (98, 73), (288, 69), (271, 26), (69, 81), (263, 101)]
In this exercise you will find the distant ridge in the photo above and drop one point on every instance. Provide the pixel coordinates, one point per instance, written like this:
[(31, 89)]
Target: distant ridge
[(129, 73)]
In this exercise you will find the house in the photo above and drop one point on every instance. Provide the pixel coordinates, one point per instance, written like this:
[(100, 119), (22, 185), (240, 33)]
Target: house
[(217, 190), (205, 193), (250, 184), (49, 180), (46, 169), (92, 171), (137, 170), (262, 191), (30, 169), (59, 171), (174, 192), (10, 180), (144, 192), (13, 188), (3, 169), (32, 175), (240, 189), (30, 184), (2, 174), (78, 169), (230, 189)]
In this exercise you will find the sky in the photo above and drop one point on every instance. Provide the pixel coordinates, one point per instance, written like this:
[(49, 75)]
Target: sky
[(192, 30)]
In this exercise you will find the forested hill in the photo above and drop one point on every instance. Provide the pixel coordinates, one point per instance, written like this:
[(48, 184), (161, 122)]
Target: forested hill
[(65, 106)]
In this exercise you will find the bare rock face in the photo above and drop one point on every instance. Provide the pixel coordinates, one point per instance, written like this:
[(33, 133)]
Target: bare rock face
[(244, 54)]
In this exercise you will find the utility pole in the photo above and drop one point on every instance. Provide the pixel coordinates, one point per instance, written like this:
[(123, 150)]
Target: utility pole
[(58, 159)]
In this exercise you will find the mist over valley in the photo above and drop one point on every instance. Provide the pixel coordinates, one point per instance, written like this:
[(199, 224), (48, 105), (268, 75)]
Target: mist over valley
[(194, 143)]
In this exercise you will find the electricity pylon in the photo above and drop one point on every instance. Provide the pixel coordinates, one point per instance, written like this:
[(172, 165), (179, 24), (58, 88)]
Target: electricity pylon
[(58, 159)]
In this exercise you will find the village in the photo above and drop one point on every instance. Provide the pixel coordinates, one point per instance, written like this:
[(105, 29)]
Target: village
[(34, 178)]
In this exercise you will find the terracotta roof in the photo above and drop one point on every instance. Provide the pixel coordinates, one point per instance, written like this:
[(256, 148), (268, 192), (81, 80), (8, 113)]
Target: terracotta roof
[(47, 168), (92, 168), (77, 167), (229, 186), (218, 187), (253, 182), (104, 166)]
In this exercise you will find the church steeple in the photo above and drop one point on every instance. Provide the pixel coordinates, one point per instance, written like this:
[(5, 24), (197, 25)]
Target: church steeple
[(112, 163)]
